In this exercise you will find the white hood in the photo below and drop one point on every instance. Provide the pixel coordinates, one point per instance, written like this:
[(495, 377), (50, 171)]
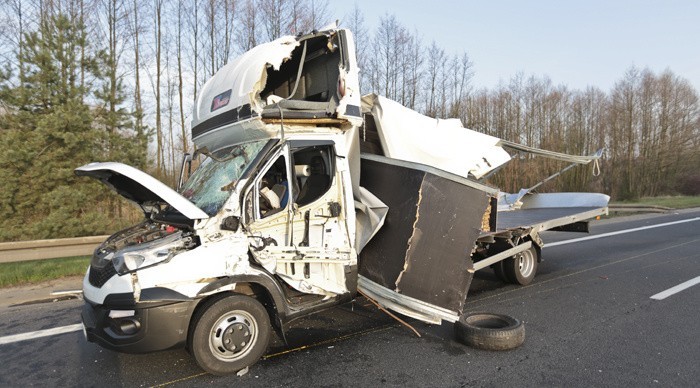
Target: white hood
[(139, 187)]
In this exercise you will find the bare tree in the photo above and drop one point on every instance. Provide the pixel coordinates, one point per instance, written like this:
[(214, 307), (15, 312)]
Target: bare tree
[(436, 57), (194, 42), (229, 13), (160, 155), (318, 15), (275, 12), (211, 24), (462, 68), (183, 133), (356, 24), (248, 30)]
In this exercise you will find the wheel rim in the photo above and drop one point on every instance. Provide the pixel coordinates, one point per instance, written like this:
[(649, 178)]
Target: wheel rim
[(233, 335), (526, 263)]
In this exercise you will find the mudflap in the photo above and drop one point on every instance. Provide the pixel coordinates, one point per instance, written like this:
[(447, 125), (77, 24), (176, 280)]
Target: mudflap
[(421, 256)]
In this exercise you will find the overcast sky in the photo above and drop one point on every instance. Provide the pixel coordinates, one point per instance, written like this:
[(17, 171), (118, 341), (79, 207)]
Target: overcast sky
[(578, 43)]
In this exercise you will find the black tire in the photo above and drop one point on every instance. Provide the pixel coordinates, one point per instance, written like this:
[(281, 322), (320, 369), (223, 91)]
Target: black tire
[(229, 334), (490, 331), (500, 273), (521, 268)]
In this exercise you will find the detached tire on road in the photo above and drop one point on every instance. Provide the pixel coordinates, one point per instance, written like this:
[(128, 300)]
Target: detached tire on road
[(229, 334), (490, 331)]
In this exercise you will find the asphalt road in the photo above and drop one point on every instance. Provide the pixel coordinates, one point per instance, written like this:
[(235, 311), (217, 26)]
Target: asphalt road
[(588, 315)]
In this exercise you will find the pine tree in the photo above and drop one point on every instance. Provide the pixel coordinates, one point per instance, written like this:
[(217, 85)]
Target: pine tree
[(48, 129)]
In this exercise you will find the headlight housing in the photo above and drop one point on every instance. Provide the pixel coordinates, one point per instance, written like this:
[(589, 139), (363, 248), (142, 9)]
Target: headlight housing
[(145, 255), (127, 262)]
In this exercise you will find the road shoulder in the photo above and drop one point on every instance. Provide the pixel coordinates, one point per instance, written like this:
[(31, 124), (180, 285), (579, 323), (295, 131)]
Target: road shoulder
[(39, 292)]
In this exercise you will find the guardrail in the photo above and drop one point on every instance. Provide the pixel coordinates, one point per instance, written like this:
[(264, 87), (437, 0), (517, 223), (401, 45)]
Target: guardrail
[(82, 246), (48, 249)]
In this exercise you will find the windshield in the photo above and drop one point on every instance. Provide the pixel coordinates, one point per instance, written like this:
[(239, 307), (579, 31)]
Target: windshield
[(211, 184)]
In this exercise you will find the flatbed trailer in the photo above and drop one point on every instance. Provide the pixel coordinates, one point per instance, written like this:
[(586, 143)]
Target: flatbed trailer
[(440, 228), (521, 229), (442, 222)]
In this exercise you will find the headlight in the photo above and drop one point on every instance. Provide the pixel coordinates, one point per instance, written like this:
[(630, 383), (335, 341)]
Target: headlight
[(127, 262), (137, 257)]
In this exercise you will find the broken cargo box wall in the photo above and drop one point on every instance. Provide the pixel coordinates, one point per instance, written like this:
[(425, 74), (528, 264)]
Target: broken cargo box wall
[(423, 250)]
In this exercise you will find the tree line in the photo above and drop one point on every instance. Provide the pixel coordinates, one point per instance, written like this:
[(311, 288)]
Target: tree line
[(98, 80)]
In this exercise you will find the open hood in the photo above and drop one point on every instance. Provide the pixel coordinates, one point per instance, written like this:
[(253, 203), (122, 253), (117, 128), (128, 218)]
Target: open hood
[(139, 187)]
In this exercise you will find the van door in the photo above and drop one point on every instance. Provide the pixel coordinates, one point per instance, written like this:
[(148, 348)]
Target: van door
[(297, 222)]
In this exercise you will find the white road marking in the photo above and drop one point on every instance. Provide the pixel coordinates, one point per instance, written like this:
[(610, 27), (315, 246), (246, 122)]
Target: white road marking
[(40, 333), (575, 240), (676, 289), (69, 292)]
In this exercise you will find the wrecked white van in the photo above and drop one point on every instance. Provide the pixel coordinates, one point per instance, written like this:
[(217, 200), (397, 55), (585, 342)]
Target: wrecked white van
[(305, 193)]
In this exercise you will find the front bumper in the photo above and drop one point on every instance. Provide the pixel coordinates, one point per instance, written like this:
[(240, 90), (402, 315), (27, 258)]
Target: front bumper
[(137, 327)]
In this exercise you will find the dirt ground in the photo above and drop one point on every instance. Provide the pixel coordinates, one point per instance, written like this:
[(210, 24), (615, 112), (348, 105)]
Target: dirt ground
[(42, 292)]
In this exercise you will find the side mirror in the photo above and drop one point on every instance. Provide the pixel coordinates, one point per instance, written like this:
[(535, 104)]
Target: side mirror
[(185, 170), (231, 223)]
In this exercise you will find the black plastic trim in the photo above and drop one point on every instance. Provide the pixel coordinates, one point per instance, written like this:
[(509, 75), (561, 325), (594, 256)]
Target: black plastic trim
[(353, 110), (159, 327), (579, 227), (161, 294), (125, 299), (225, 118)]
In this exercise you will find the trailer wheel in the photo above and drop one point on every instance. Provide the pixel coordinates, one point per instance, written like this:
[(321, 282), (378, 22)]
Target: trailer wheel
[(230, 334), (521, 268), (489, 331)]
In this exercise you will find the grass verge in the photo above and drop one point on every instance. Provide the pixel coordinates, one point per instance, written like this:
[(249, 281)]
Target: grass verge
[(677, 202), (37, 271)]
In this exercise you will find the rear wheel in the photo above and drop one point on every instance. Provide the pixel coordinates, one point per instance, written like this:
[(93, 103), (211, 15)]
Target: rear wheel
[(230, 334), (500, 272), (521, 268)]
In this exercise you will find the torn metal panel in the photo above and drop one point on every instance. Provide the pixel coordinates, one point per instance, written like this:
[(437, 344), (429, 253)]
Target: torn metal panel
[(448, 222), (406, 305), (408, 135), (370, 215), (244, 77), (423, 249), (308, 80), (382, 259)]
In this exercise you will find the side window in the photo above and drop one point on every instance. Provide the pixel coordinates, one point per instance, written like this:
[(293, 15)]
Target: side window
[(272, 189), (313, 170)]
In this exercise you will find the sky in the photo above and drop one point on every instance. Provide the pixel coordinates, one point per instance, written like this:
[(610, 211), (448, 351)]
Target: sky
[(575, 43)]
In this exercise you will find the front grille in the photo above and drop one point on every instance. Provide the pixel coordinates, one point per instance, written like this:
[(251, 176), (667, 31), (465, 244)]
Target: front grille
[(99, 276)]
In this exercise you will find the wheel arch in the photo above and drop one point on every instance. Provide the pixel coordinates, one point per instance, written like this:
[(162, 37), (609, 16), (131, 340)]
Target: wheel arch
[(260, 287)]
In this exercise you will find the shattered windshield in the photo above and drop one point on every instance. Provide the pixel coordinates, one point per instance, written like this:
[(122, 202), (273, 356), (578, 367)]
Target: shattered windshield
[(211, 184)]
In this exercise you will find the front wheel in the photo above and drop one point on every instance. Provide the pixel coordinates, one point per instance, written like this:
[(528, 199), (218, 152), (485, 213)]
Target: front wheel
[(230, 334), (521, 268)]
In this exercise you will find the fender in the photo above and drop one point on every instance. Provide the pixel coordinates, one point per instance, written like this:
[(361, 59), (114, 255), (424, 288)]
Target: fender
[(285, 311)]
